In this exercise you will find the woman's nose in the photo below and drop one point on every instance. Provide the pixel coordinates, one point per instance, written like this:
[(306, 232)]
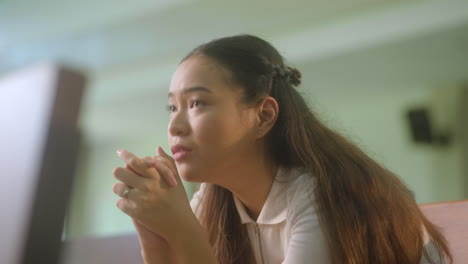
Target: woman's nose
[(178, 125)]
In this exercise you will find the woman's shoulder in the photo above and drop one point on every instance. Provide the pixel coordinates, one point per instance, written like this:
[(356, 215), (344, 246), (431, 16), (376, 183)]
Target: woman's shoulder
[(298, 189), (297, 183), (302, 222)]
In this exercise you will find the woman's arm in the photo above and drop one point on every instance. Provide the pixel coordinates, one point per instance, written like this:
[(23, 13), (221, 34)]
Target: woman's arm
[(191, 245), (152, 256), (158, 257), (154, 248)]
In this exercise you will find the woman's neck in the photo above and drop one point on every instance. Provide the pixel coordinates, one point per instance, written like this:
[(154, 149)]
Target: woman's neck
[(251, 185)]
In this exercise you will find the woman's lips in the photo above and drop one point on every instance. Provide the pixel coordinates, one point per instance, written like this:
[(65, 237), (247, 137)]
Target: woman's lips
[(179, 147), (178, 156), (180, 151)]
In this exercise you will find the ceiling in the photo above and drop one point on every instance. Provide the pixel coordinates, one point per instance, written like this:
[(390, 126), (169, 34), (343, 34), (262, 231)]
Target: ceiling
[(130, 49), (107, 37)]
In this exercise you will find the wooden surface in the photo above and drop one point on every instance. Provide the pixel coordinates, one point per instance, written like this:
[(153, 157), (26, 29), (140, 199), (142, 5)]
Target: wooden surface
[(452, 219)]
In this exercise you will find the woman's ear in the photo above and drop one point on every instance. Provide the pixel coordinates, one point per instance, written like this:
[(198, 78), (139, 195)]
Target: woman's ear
[(267, 115)]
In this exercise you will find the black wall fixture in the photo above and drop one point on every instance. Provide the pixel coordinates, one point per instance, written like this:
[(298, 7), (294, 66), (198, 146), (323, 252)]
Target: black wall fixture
[(422, 130)]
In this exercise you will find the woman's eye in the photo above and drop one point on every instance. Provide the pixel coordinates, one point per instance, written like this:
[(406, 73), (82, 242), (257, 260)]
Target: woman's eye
[(196, 103), (171, 108)]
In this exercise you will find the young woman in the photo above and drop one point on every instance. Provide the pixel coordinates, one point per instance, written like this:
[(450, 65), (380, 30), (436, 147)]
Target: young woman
[(278, 186)]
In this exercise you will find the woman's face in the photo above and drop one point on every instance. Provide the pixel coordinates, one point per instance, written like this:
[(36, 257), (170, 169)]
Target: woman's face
[(211, 130)]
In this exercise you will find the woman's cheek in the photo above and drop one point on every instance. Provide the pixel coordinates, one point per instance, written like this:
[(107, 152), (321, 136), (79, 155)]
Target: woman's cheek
[(206, 126)]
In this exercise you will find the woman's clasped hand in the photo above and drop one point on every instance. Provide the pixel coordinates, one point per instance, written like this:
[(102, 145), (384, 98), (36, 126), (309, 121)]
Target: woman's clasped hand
[(155, 198)]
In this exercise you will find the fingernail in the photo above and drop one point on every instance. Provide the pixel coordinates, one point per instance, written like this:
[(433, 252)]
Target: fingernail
[(119, 152)]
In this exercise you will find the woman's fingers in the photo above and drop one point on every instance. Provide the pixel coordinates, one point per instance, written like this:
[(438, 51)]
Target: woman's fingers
[(169, 165), (169, 161), (132, 170), (138, 172), (166, 172), (119, 189), (134, 195), (137, 164), (129, 178), (164, 167), (162, 153), (127, 207), (149, 161)]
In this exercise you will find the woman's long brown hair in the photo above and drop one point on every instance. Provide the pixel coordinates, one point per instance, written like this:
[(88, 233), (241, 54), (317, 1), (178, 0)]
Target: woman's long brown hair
[(365, 211)]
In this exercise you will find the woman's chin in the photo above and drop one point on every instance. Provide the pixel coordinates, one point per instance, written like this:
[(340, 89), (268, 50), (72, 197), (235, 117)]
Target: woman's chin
[(191, 178), (190, 174)]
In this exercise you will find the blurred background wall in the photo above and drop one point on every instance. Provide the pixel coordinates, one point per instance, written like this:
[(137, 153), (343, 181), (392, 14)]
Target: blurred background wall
[(365, 64)]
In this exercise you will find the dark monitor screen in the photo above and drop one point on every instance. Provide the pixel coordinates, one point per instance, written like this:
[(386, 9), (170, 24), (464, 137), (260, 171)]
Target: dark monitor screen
[(39, 140)]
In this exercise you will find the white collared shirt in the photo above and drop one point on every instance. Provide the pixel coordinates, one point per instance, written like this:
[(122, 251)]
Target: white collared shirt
[(287, 230)]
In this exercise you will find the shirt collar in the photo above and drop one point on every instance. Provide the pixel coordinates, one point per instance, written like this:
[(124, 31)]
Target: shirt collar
[(274, 210)]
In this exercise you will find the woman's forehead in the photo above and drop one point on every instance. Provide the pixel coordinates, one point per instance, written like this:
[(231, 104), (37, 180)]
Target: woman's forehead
[(198, 71)]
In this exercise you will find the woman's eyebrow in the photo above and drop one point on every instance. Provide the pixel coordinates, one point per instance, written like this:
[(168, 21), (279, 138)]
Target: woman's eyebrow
[(193, 90)]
